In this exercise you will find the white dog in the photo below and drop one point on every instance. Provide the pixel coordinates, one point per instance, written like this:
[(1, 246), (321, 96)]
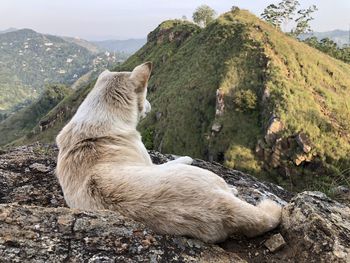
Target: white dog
[(103, 164)]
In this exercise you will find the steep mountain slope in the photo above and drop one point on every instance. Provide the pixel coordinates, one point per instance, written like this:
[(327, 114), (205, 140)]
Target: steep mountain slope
[(49, 125), (37, 121), (29, 59), (84, 43), (245, 94), (8, 30), (242, 93), (22, 122)]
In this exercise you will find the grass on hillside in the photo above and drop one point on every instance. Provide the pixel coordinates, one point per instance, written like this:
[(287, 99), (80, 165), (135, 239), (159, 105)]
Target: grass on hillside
[(22, 122), (245, 57)]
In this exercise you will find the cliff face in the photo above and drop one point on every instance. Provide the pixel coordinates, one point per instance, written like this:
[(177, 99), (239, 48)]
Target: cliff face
[(36, 225)]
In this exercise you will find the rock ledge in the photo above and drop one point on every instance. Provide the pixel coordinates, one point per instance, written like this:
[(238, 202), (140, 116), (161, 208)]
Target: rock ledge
[(36, 225)]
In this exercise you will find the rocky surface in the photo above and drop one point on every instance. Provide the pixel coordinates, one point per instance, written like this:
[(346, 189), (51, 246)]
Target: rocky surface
[(35, 234), (36, 225), (275, 242), (22, 182), (313, 221)]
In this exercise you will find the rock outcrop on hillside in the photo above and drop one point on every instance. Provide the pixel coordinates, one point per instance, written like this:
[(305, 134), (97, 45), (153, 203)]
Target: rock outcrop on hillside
[(36, 225)]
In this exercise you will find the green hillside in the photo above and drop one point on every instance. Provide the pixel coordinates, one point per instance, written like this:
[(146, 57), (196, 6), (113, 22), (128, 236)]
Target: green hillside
[(22, 122), (45, 126), (286, 105), (30, 60), (242, 93)]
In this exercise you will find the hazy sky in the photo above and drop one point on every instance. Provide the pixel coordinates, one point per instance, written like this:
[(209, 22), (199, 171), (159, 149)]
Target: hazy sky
[(105, 19)]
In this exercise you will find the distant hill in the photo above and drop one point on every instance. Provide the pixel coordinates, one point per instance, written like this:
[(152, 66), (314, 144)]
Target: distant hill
[(341, 37), (11, 29), (128, 46), (86, 44), (29, 60), (242, 93)]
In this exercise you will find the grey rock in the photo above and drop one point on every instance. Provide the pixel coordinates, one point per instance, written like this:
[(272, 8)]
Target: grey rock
[(275, 242), (66, 235), (216, 127), (317, 228), (275, 126), (304, 142), (39, 167), (220, 103), (28, 186)]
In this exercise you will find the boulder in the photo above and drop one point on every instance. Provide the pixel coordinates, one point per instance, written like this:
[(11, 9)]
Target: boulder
[(275, 126), (304, 142), (276, 153), (317, 228), (216, 127), (220, 103), (299, 158), (275, 242)]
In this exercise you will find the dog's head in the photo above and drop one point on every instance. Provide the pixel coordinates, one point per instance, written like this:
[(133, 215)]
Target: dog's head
[(119, 96)]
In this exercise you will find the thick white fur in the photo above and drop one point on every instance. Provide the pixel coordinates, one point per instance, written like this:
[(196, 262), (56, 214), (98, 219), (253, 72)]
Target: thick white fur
[(103, 164)]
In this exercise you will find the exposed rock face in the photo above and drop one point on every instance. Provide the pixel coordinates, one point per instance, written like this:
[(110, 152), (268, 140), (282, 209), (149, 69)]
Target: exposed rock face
[(166, 32), (219, 111), (64, 235), (36, 227), (24, 185), (313, 221), (220, 103), (216, 127), (285, 153), (274, 127), (275, 242), (304, 142)]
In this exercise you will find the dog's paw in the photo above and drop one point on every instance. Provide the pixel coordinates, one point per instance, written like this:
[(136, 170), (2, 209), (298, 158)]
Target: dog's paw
[(233, 189), (184, 160)]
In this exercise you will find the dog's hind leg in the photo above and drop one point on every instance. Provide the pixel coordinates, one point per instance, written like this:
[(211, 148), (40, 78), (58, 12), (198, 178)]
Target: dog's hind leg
[(251, 220)]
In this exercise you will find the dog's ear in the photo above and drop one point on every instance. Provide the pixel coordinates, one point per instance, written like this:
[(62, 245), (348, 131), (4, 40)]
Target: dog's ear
[(141, 75)]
